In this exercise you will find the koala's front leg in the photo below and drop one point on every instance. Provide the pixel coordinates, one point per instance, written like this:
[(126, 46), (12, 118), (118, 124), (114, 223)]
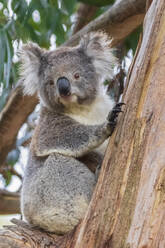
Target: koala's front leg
[(86, 138), (70, 138), (102, 132), (112, 117)]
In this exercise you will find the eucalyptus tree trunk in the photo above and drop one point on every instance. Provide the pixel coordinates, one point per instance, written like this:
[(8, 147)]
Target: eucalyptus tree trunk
[(127, 209), (128, 205)]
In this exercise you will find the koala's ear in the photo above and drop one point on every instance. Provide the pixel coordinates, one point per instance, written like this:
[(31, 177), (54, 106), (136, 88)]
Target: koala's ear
[(30, 56), (97, 46)]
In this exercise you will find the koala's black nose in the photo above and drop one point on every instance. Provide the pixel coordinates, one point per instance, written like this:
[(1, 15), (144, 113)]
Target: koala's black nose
[(63, 85)]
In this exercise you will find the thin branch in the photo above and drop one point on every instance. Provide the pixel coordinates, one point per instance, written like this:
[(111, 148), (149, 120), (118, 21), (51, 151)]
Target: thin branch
[(8, 168), (85, 14)]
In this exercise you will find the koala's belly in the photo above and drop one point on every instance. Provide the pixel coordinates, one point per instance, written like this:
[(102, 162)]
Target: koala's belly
[(55, 197)]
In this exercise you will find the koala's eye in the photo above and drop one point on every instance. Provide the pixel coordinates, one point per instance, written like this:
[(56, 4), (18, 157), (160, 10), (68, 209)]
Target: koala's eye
[(51, 82), (76, 75)]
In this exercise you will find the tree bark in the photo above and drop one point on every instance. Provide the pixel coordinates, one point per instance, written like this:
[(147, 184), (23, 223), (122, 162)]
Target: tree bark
[(21, 235), (119, 21), (12, 117), (128, 205), (9, 203)]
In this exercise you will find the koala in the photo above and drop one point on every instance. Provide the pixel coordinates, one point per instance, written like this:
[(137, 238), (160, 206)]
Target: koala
[(76, 119)]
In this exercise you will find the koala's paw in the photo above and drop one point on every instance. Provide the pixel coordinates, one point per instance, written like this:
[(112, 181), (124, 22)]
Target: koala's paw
[(113, 115)]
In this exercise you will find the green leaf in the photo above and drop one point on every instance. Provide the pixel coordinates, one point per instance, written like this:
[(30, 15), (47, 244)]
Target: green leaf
[(68, 5), (21, 9), (13, 157), (2, 54), (3, 97), (4, 3), (8, 177), (132, 40), (44, 4)]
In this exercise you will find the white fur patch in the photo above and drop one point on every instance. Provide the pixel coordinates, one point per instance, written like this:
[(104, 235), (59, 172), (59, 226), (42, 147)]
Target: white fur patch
[(30, 63), (97, 45), (29, 75), (96, 113)]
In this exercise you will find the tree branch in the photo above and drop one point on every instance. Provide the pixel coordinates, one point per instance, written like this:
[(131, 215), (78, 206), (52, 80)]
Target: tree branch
[(85, 14), (9, 203), (120, 20), (8, 168), (12, 117), (22, 235)]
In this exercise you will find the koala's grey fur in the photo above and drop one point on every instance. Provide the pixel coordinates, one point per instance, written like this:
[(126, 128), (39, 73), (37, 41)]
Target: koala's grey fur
[(58, 184)]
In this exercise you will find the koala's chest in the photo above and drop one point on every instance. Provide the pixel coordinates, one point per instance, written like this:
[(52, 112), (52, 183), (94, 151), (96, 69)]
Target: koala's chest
[(96, 115)]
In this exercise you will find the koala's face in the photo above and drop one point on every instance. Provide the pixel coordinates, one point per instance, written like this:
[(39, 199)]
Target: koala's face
[(67, 76)]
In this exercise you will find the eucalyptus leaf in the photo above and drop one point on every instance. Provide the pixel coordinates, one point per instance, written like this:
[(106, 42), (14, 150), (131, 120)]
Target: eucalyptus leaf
[(8, 61), (132, 40), (2, 54), (13, 157), (8, 177), (69, 5), (3, 97)]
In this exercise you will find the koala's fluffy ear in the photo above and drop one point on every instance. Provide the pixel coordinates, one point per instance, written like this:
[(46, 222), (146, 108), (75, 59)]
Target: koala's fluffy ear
[(97, 46), (30, 56)]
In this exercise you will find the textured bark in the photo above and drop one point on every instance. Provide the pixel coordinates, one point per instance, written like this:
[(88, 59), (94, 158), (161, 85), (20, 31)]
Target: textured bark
[(128, 205), (9, 202), (118, 21), (14, 114), (21, 235)]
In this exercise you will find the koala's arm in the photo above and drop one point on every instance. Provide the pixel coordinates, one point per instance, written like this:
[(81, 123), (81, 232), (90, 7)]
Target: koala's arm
[(63, 135)]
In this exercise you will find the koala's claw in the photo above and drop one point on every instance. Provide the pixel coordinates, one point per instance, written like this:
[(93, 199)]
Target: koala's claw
[(113, 115), (120, 104)]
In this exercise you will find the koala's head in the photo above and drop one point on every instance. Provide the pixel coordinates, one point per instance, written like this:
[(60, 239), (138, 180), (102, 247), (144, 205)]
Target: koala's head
[(67, 76)]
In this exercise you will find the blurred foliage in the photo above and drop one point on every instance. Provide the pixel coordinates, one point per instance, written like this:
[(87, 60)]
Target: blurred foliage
[(43, 22), (132, 40), (98, 3)]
